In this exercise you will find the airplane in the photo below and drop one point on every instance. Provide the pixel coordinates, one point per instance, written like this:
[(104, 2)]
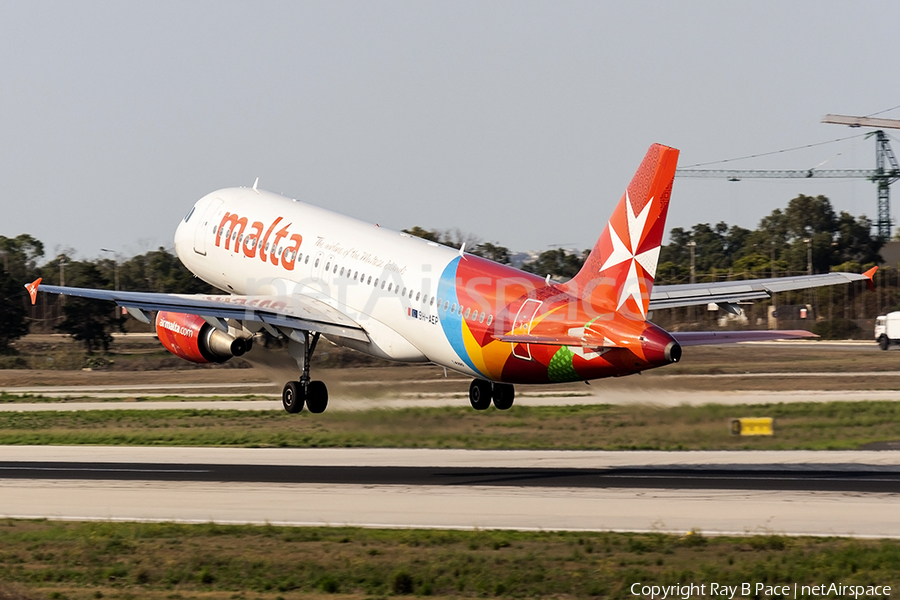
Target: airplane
[(302, 272)]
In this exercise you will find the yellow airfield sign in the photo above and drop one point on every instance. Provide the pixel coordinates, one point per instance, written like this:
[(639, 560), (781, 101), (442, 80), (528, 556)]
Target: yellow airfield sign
[(753, 426)]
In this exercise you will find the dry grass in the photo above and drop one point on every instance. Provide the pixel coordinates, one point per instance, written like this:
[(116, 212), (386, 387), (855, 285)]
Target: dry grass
[(99, 560), (816, 426)]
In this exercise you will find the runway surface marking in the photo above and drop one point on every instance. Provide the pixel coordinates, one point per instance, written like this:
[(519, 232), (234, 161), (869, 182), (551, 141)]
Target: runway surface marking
[(462, 489), (817, 478)]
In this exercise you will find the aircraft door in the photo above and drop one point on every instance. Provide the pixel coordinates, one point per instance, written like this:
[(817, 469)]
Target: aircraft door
[(522, 326), (204, 226)]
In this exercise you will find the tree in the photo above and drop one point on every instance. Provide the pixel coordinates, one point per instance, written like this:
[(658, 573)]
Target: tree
[(156, 271), (88, 321), (453, 238), (854, 241), (12, 311), (558, 264), (18, 256), (494, 252), (425, 234)]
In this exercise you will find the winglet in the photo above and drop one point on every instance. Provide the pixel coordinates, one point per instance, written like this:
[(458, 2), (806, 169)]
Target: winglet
[(32, 289), (870, 274)]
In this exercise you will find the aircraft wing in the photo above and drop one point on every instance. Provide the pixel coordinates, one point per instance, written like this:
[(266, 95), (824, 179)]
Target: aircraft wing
[(706, 338), (728, 293), (295, 312)]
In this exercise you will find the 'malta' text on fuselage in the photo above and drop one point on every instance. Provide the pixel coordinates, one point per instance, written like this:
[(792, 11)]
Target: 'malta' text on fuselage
[(234, 226)]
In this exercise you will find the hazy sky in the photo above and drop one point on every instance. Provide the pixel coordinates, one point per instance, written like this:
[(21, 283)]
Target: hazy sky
[(520, 122)]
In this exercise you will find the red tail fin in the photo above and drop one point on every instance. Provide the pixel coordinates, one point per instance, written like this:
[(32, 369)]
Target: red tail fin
[(618, 274)]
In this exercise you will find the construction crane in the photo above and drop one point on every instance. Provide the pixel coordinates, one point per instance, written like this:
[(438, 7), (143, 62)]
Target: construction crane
[(886, 170)]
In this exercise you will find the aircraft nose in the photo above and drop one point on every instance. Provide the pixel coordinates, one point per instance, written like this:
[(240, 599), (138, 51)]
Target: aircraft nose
[(184, 231)]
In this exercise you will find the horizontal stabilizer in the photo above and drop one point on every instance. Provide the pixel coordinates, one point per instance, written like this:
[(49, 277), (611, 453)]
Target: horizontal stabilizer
[(556, 340), (707, 338)]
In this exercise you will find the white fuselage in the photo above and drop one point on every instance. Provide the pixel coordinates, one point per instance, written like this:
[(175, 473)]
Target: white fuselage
[(385, 280)]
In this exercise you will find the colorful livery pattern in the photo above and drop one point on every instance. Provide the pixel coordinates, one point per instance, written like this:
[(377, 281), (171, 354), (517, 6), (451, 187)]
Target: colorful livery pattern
[(593, 326)]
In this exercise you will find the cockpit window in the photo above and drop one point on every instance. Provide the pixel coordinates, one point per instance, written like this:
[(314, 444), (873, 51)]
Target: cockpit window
[(187, 217)]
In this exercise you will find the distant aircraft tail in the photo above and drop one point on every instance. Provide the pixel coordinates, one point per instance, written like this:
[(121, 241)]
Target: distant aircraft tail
[(618, 274)]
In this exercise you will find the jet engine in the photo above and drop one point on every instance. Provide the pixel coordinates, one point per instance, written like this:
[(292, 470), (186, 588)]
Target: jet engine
[(190, 337)]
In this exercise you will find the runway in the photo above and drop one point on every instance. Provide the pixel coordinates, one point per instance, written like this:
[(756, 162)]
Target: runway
[(618, 397), (811, 493)]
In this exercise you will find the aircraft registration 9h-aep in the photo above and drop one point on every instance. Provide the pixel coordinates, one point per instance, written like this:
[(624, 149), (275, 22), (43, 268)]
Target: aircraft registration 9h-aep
[(302, 272)]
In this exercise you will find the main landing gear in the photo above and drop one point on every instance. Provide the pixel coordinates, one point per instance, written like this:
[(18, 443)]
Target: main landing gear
[(482, 392), (297, 393)]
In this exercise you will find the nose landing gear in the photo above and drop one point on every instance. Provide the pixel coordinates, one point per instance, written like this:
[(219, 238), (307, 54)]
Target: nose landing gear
[(482, 392), (297, 393)]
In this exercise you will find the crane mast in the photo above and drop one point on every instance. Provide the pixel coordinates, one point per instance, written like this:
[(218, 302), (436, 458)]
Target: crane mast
[(886, 171)]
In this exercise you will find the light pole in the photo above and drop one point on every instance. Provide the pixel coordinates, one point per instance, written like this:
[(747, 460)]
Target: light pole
[(116, 262), (692, 244), (62, 278), (116, 270), (808, 255)]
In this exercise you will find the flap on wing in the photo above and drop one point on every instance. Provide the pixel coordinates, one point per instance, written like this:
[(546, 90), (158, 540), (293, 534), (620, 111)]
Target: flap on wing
[(295, 312), (706, 338)]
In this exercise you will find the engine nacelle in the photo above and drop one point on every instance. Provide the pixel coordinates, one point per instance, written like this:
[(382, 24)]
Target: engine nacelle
[(191, 338)]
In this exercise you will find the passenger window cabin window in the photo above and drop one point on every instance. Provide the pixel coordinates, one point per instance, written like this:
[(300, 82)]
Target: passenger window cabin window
[(335, 268), (490, 319), (432, 301), (382, 283), (410, 294), (453, 309), (390, 286), (418, 295), (404, 292), (446, 305), (342, 271), (328, 266), (306, 260), (369, 281), (355, 275), (481, 318), (215, 227), (467, 312)]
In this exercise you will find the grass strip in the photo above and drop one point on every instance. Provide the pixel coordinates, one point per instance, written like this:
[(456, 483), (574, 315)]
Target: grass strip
[(41, 559), (813, 426)]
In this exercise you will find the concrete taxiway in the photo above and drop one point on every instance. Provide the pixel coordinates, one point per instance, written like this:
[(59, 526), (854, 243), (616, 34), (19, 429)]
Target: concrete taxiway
[(636, 396), (436, 496)]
